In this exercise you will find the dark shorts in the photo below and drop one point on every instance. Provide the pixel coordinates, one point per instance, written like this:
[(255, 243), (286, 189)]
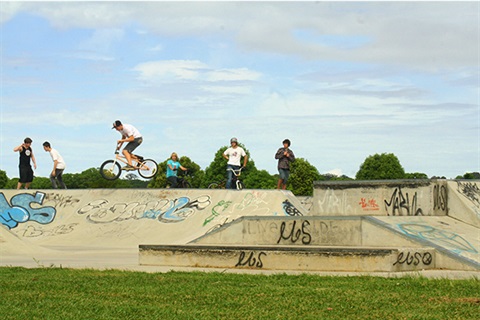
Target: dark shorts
[(26, 174), (133, 145), (284, 174)]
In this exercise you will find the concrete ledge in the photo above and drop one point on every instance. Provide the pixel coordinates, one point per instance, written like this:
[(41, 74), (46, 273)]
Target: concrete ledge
[(308, 258)]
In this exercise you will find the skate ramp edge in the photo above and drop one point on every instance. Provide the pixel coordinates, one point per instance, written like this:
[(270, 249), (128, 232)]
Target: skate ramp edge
[(275, 240), (464, 201)]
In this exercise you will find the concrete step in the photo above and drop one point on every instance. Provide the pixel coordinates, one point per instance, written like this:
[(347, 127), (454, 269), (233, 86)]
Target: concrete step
[(292, 258)]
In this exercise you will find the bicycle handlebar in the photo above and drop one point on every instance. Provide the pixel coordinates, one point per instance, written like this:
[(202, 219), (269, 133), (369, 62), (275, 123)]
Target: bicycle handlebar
[(236, 172)]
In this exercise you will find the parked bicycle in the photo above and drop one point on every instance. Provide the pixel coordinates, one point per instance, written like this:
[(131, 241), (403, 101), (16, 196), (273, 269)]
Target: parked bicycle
[(112, 169), (239, 185), (183, 180)]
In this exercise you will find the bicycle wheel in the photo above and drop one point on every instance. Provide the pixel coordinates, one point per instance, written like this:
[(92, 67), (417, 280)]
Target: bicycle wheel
[(240, 185), (148, 169), (110, 170), (216, 185), (186, 185)]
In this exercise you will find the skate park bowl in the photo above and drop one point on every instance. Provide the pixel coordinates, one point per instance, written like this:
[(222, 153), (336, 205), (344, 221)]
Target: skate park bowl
[(346, 226)]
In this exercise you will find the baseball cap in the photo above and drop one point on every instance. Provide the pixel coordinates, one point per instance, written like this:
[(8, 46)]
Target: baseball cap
[(116, 124)]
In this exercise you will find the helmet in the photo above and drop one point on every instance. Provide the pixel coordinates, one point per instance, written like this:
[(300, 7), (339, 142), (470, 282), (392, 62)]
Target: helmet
[(234, 140)]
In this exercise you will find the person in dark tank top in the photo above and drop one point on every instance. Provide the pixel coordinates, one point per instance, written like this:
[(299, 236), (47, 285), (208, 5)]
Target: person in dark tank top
[(25, 158)]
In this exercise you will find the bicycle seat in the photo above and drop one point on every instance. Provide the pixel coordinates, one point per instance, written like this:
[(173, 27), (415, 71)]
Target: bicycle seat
[(140, 158)]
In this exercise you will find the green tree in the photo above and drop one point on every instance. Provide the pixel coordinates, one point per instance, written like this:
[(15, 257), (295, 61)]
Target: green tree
[(302, 176), (381, 167), (469, 175), (217, 170), (91, 179), (197, 174), (416, 175), (260, 179), (3, 179), (41, 183)]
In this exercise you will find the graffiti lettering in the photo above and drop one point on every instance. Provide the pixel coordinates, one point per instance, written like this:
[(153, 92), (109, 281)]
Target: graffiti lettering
[(295, 234), (21, 210), (400, 204), (439, 198), (31, 231), (370, 205), (61, 201), (414, 258), (471, 191), (217, 210), (290, 209), (163, 210), (252, 260)]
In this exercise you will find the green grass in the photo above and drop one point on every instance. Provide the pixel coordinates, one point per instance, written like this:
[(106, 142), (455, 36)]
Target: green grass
[(56, 293)]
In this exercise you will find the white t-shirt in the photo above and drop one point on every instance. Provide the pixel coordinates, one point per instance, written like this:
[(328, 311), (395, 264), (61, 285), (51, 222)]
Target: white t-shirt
[(56, 156), (129, 130), (234, 155)]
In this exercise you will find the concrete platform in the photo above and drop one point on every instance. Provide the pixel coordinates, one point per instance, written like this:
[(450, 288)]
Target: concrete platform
[(297, 258)]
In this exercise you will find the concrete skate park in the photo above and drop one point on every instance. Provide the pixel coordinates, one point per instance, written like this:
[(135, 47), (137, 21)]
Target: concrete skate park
[(389, 228)]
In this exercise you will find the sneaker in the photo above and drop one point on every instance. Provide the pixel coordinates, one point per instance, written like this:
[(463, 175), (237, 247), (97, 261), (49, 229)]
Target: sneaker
[(128, 168)]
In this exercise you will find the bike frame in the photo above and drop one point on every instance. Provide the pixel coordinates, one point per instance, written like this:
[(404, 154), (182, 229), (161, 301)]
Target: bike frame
[(122, 158), (235, 179)]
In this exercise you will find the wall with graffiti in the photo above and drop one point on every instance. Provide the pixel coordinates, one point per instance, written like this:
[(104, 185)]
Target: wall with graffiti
[(117, 217), (464, 201), (381, 198)]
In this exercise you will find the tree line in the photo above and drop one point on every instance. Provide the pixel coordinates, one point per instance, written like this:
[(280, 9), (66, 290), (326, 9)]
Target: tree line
[(383, 166)]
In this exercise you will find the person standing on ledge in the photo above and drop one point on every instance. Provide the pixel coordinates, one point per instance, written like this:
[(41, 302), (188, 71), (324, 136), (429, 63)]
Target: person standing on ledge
[(234, 155), (284, 156), (58, 166), (25, 168)]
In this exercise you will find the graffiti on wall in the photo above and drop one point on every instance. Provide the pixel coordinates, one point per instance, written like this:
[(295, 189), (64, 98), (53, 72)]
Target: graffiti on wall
[(447, 239), (369, 205), (414, 258), (164, 210), (333, 204), (401, 204), (440, 198), (25, 207), (471, 191)]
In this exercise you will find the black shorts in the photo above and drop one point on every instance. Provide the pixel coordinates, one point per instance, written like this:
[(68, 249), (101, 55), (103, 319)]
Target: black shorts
[(133, 144), (26, 174)]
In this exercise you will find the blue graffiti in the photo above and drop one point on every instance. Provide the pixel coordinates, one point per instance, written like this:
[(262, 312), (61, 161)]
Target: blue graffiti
[(450, 240), (20, 210)]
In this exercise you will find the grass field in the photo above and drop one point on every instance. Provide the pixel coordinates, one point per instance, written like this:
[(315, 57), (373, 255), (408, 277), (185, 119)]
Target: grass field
[(56, 293)]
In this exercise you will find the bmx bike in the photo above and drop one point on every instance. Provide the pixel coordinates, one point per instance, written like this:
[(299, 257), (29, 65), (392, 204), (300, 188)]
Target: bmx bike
[(112, 169), (239, 185), (183, 181)]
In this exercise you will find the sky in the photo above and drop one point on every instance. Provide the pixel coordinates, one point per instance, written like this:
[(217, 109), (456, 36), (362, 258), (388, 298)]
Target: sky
[(341, 80)]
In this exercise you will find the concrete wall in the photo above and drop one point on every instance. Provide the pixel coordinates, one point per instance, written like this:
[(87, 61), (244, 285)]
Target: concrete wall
[(380, 198), (464, 201)]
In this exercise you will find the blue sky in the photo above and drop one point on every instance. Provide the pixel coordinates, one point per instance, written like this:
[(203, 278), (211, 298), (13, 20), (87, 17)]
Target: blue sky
[(341, 80)]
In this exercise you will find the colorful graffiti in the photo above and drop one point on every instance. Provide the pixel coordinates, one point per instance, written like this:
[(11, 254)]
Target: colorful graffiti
[(20, 210), (164, 210), (369, 205), (447, 239)]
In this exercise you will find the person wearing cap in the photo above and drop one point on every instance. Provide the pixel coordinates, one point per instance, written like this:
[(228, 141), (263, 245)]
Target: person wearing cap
[(132, 136), (233, 155), (284, 156)]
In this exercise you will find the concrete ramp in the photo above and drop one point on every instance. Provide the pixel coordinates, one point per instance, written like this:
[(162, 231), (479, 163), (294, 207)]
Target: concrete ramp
[(125, 218), (464, 201)]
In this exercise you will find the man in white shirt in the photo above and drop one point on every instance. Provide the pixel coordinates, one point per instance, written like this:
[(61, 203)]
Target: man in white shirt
[(234, 154), (131, 135), (58, 166)]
